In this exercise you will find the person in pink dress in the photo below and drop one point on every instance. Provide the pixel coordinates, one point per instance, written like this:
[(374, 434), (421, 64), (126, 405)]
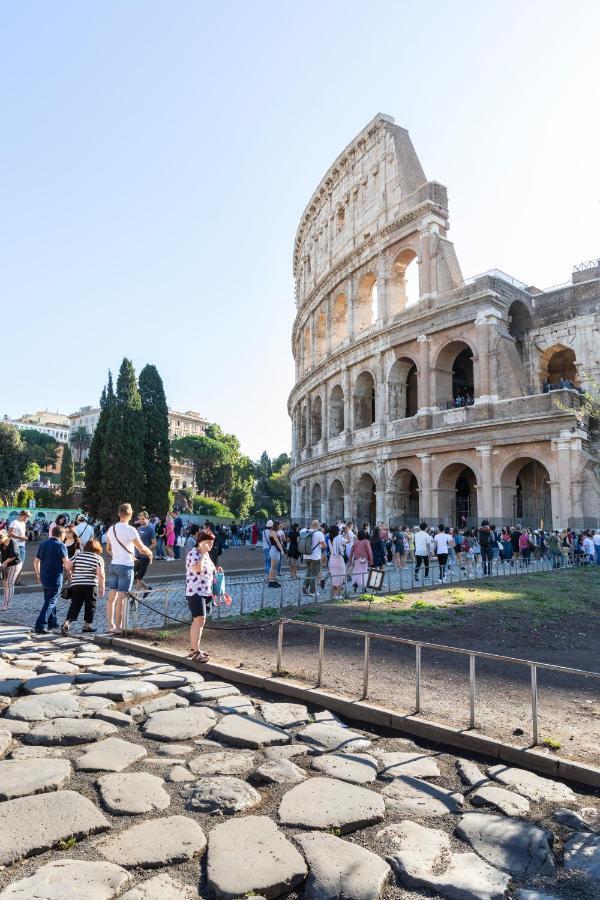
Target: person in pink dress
[(361, 557), (169, 537)]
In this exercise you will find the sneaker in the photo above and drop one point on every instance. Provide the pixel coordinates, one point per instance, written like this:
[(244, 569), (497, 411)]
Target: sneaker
[(305, 591), (88, 630), (41, 631), (274, 584), (64, 628)]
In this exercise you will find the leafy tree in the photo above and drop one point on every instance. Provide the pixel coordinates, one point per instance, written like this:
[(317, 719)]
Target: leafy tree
[(157, 467), (24, 496), (280, 492), (206, 506), (31, 472), (123, 451), (40, 448), (13, 460), (67, 475), (280, 462), (93, 463), (208, 456), (81, 440)]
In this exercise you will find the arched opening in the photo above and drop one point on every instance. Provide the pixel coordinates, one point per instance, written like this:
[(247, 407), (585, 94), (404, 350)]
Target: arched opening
[(526, 494), (454, 376), (339, 328), (519, 319), (403, 397), (364, 400), (317, 420), (336, 411), (365, 500), (404, 281), (457, 496), (558, 367), (321, 336), (315, 508), (336, 500), (405, 499), (366, 302)]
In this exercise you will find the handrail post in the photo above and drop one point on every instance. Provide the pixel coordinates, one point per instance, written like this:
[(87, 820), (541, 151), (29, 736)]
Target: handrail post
[(472, 661), (534, 703), (165, 609), (321, 654), (417, 678), (242, 600), (279, 646), (365, 692)]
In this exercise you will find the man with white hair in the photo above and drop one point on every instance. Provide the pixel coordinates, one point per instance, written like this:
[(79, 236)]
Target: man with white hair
[(83, 529)]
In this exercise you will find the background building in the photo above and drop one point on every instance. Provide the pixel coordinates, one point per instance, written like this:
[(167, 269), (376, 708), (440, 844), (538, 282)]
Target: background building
[(420, 394), (184, 425), (53, 423)]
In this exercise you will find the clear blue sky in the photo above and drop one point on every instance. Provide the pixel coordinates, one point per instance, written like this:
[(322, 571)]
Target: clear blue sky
[(156, 157)]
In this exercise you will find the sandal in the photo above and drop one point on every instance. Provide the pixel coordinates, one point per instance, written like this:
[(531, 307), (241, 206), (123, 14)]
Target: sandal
[(191, 654)]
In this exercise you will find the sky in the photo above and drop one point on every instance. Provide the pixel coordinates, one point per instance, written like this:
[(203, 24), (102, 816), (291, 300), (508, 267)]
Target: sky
[(156, 157)]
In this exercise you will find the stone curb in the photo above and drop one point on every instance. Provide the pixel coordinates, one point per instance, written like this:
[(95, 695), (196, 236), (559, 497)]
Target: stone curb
[(362, 711)]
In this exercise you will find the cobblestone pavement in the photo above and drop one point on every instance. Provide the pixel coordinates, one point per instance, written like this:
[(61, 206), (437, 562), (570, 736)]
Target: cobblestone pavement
[(166, 602), (124, 777)]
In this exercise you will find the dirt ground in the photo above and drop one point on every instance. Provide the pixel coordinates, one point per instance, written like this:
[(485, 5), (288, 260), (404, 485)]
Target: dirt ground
[(551, 617)]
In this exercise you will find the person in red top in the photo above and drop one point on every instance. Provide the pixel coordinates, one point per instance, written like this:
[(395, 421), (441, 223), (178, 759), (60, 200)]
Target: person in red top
[(361, 557), (254, 533)]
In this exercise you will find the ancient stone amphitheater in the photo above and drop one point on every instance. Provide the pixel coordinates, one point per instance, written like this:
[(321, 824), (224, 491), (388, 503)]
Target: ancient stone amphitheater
[(422, 394)]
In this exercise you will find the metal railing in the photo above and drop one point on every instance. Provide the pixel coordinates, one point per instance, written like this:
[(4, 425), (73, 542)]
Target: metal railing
[(419, 646)]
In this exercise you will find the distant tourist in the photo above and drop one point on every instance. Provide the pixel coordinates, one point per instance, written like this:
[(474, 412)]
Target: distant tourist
[(169, 538), (337, 563), (275, 554), (85, 531), (423, 549), (313, 559), (49, 565)]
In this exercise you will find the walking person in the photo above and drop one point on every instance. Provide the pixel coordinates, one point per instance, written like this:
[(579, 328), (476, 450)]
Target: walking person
[(266, 545), (85, 531), (378, 549), (293, 553), (160, 532), (169, 538), (337, 563), (49, 565), (275, 554), (441, 543), (121, 541), (17, 530), (199, 583), (177, 531), (399, 548), (87, 585), (11, 565), (313, 559), (423, 549), (361, 557), (148, 537)]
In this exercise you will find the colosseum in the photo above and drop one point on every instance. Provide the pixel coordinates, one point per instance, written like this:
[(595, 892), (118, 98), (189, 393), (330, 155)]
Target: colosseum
[(422, 394)]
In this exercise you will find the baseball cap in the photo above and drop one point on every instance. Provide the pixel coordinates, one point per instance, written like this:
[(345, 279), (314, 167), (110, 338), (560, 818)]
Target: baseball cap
[(270, 523)]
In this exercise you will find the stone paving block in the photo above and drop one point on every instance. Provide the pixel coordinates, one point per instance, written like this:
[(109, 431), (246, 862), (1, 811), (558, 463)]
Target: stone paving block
[(284, 715), (520, 848), (504, 801), (289, 751), (532, 786), (266, 860), (111, 755), (582, 852), (179, 724), (243, 731), (223, 794), (524, 894), (62, 705), (418, 765), (339, 869), (241, 705), (161, 887), (278, 771), (412, 796), (357, 768), (15, 727), (6, 740), (223, 762), (329, 736), (30, 825), (179, 775), (325, 803), (48, 684), (470, 774), (156, 842), (68, 731), (10, 686), (37, 753), (572, 819), (20, 777), (174, 749), (120, 689), (165, 680), (91, 705), (115, 717), (58, 667), (132, 793), (159, 704), (212, 690), (70, 879)]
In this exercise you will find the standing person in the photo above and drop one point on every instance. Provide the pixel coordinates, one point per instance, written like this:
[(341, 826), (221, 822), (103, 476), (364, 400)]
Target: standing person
[(254, 534), (555, 549), (49, 565), (148, 538), (11, 565), (399, 548), (596, 541), (177, 530), (378, 548), (199, 581), (313, 559), (337, 563), (217, 547), (169, 538), (587, 549), (122, 539), (409, 544), (159, 529), (266, 545), (361, 557), (293, 553), (87, 584), (17, 530), (190, 542), (485, 543), (525, 546), (423, 548), (283, 541), (442, 543), (71, 540), (506, 545), (515, 536), (85, 531), (275, 554)]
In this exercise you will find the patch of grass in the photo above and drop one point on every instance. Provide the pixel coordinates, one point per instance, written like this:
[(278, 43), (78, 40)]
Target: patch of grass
[(389, 598), (422, 604), (268, 613), (283, 674), (68, 844), (551, 743), (336, 831)]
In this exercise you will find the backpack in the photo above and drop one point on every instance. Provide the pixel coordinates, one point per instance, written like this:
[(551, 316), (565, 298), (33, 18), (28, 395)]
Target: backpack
[(305, 543)]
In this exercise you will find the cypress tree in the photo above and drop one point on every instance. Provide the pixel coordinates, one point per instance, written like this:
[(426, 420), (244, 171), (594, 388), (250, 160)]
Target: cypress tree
[(93, 464), (67, 475), (157, 468), (123, 452)]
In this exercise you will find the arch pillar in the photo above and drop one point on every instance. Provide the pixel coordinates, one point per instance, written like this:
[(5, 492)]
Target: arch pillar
[(565, 508), (425, 496), (485, 324), (348, 409), (426, 398), (348, 495), (309, 441), (485, 493), (324, 417), (325, 499), (380, 491)]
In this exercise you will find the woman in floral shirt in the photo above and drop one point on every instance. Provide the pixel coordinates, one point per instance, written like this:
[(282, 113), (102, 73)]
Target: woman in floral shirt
[(199, 577)]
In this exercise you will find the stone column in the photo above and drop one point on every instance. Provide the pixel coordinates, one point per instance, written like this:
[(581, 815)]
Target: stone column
[(426, 391), (348, 495), (485, 324), (313, 340), (425, 509), (564, 482), (309, 441), (328, 305), (380, 488), (324, 499), (351, 302), (382, 290), (348, 410), (485, 502), (324, 417), (380, 390)]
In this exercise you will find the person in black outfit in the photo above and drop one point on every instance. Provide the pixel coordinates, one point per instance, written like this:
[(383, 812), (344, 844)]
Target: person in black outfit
[(485, 542), (293, 553), (378, 548)]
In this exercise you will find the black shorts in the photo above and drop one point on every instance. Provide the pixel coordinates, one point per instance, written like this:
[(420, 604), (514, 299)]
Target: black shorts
[(199, 606), (140, 567)]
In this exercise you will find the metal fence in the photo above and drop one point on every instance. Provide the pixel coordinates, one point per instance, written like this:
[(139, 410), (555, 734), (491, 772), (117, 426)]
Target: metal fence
[(419, 646)]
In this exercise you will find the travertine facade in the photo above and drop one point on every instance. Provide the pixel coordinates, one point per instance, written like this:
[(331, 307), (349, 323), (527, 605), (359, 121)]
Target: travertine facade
[(430, 404)]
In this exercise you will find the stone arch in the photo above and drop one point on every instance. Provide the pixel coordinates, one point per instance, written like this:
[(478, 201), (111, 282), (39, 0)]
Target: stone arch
[(366, 494), (336, 500), (403, 396), (321, 336), (454, 376), (317, 420), (339, 322), (364, 400), (404, 500), (366, 302), (315, 501), (525, 491), (336, 411), (457, 495), (519, 323), (402, 288), (559, 363)]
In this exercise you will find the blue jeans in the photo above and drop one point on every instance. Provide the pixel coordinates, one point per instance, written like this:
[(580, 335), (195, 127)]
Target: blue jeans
[(177, 549), (597, 549), (267, 555), (22, 552), (47, 616), (160, 548)]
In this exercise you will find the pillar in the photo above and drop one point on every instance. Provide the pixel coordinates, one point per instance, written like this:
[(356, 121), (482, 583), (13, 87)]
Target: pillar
[(309, 441), (482, 376), (380, 390), (425, 508), (348, 411), (324, 418), (382, 290), (348, 495), (351, 303), (426, 394), (380, 488), (485, 499), (325, 500), (565, 511)]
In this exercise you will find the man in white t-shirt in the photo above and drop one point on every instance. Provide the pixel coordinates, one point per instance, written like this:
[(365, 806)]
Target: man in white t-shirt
[(441, 543), (423, 548), (313, 559), (84, 530), (121, 541), (18, 530)]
